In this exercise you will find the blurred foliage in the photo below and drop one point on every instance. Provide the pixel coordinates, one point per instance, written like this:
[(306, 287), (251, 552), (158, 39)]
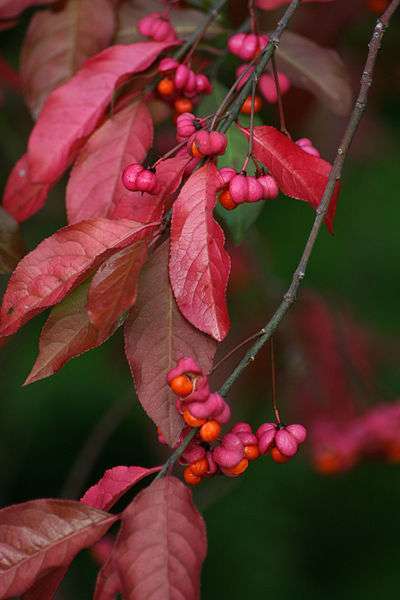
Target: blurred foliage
[(280, 530)]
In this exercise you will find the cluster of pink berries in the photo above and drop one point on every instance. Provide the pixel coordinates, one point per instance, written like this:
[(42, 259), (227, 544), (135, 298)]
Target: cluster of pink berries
[(181, 85), (158, 27), (247, 46), (185, 81), (237, 188), (207, 411), (138, 179), (339, 447)]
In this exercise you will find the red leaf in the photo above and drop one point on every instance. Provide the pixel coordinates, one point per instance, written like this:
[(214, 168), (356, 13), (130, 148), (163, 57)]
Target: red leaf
[(39, 537), (66, 334), (72, 111), (199, 265), (156, 336), (95, 185), (113, 289), (58, 43), (22, 198), (162, 544), (11, 244), (272, 4), (114, 484), (148, 207), (12, 8), (298, 174), (60, 263)]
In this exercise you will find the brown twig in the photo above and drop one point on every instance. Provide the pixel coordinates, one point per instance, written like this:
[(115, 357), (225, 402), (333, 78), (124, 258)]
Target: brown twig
[(335, 174)]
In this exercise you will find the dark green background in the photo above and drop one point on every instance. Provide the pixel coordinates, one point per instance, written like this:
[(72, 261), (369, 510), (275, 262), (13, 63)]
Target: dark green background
[(280, 531)]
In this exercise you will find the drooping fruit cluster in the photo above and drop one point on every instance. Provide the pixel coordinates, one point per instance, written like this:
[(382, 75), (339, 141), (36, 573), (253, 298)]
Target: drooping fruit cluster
[(158, 27), (136, 178), (236, 188), (200, 408), (181, 85)]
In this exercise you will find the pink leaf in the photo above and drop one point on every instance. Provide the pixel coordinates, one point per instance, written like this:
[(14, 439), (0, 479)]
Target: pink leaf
[(113, 289), (162, 544), (66, 334), (156, 336), (23, 198), (41, 536), (148, 207), (60, 263), (57, 43), (298, 174), (12, 8), (114, 484), (72, 111), (95, 185), (199, 265), (272, 4)]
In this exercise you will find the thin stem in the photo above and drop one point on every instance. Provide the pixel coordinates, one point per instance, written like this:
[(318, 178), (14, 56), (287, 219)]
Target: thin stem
[(335, 174), (251, 128), (282, 120), (170, 152), (253, 16), (236, 348), (273, 381)]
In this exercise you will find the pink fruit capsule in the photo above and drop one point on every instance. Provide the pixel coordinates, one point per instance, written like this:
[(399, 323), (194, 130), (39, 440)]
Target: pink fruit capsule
[(167, 64), (286, 442), (129, 176), (235, 43), (255, 190), (298, 431), (145, 25), (203, 85), (146, 181), (181, 76), (190, 86), (249, 47), (270, 187), (238, 188), (218, 142), (226, 174)]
